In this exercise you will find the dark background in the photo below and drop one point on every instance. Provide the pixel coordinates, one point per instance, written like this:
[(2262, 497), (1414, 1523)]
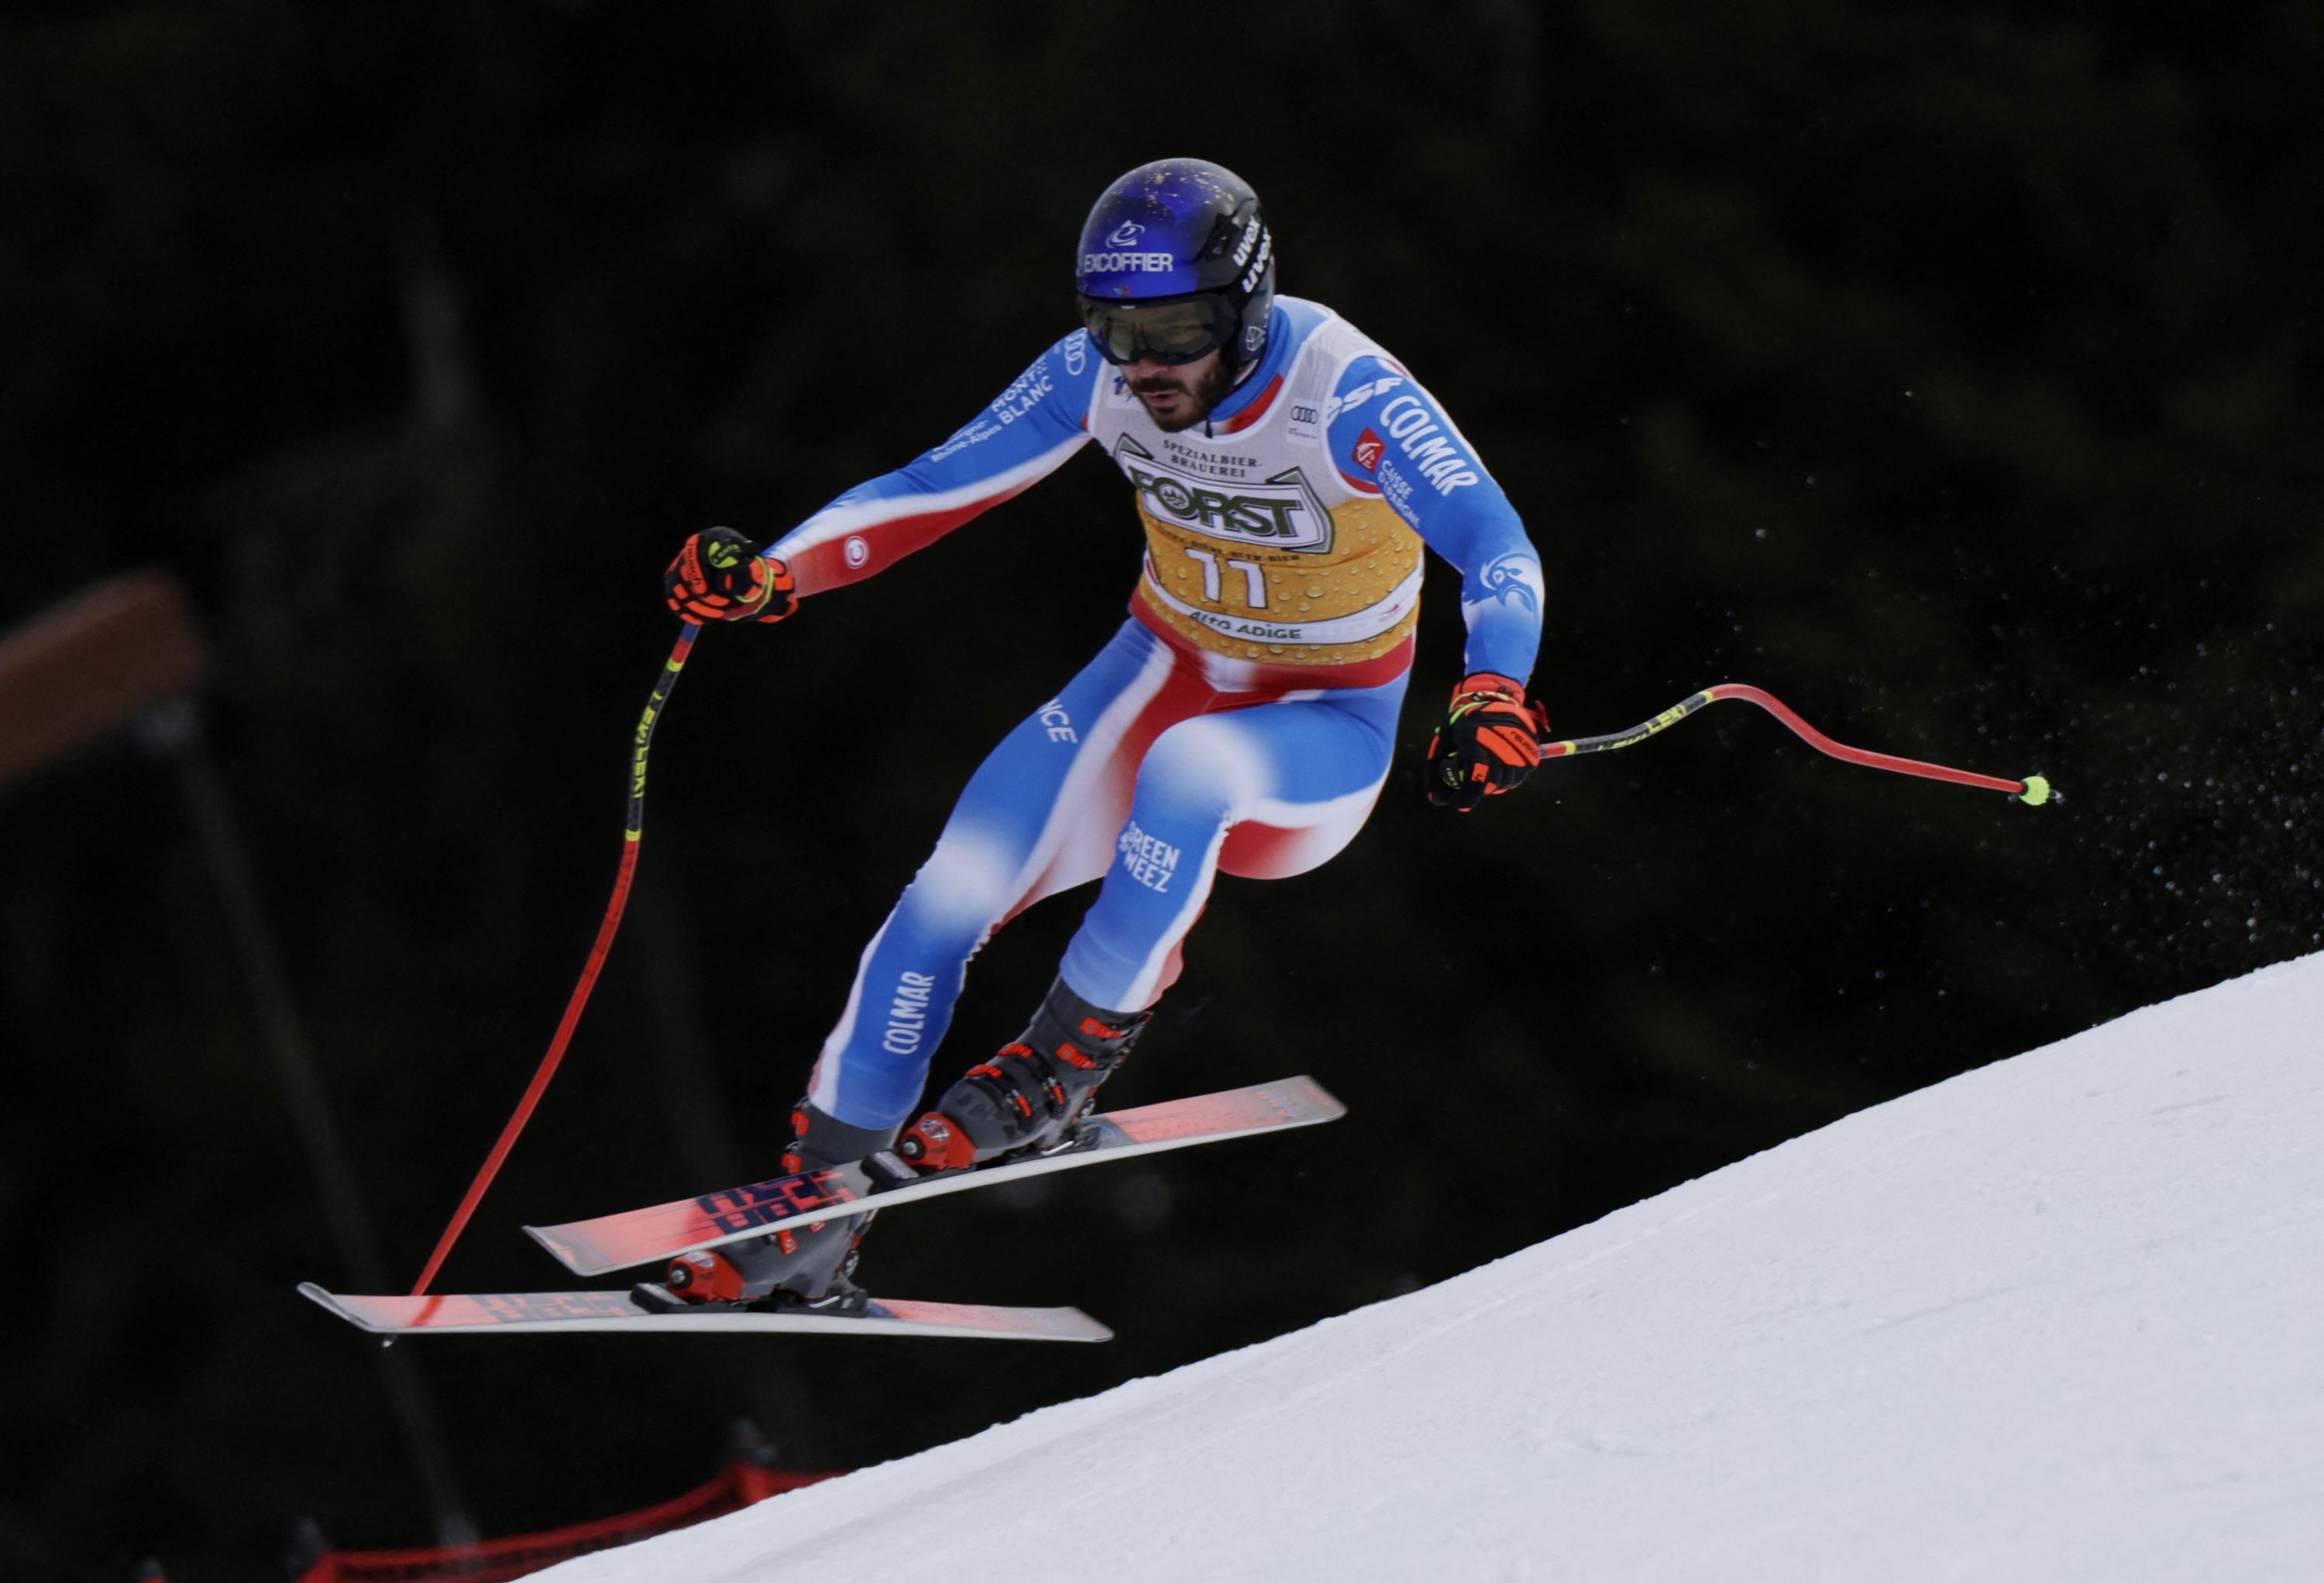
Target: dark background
[(1950, 370)]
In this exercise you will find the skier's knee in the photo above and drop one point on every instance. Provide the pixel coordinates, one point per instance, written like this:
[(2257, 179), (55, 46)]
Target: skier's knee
[(1200, 770), (963, 889)]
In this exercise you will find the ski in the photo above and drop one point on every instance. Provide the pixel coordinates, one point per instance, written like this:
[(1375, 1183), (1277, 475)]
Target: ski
[(506, 1313), (642, 1237)]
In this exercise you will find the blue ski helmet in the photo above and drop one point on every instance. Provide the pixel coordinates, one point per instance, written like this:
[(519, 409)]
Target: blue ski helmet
[(1175, 261)]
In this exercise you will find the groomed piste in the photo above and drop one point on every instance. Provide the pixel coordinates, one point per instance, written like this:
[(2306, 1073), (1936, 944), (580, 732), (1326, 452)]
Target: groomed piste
[(2061, 1317)]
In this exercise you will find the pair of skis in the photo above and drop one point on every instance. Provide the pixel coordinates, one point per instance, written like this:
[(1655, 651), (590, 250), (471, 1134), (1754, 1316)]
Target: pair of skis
[(663, 1231)]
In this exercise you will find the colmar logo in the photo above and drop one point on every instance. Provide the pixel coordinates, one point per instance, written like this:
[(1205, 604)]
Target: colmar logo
[(1433, 455), (907, 1013), (1125, 234), (1368, 446)]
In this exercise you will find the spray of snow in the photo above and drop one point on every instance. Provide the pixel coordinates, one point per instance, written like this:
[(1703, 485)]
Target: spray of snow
[(2061, 1317)]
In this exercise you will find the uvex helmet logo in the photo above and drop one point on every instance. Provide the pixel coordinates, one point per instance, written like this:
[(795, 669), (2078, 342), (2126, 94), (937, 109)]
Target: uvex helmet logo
[(1125, 234), (1281, 512)]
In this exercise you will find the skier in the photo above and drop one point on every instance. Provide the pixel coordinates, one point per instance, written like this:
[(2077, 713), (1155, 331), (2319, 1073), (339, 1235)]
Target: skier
[(1287, 473)]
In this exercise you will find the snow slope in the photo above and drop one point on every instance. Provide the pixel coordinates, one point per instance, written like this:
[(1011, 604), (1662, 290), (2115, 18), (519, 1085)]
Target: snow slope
[(2059, 1318)]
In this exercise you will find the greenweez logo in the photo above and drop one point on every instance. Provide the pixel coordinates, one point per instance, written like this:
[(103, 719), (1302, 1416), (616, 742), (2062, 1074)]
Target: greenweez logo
[(1281, 512)]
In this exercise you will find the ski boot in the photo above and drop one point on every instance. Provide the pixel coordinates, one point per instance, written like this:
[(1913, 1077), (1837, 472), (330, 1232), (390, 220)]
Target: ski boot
[(800, 1267), (1027, 1100)]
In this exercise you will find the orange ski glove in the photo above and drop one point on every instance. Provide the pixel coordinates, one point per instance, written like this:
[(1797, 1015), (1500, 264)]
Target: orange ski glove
[(1490, 742), (721, 576)]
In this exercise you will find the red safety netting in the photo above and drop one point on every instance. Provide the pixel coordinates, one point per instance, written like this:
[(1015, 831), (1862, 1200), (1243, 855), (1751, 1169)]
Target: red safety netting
[(492, 1560)]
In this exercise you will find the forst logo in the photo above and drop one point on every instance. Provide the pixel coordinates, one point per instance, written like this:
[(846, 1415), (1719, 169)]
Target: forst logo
[(1288, 516), (1251, 516)]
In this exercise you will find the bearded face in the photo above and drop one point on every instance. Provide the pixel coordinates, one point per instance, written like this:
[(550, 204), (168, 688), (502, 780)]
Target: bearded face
[(1181, 395)]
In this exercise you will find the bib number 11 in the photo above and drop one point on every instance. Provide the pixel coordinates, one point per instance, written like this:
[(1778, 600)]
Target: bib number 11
[(1253, 577)]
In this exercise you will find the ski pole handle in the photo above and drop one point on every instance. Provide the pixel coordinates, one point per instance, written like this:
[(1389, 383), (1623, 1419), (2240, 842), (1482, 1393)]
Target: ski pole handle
[(2033, 790), (632, 831)]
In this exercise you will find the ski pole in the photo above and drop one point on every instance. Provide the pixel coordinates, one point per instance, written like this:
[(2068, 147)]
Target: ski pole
[(2033, 790), (632, 827)]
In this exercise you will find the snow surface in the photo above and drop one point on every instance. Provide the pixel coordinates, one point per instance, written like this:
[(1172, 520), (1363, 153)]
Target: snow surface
[(2059, 1318)]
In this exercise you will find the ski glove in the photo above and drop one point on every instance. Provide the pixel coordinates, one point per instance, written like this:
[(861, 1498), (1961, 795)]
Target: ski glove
[(721, 576), (1492, 741)]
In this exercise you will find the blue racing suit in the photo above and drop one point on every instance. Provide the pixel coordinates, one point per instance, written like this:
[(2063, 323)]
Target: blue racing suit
[(1242, 719)]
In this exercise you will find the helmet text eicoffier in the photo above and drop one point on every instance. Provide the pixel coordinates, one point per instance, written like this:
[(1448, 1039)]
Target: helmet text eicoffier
[(1118, 263)]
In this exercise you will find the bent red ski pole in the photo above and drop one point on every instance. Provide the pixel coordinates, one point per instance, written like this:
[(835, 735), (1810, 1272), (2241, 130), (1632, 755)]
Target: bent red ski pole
[(2033, 790), (632, 831)]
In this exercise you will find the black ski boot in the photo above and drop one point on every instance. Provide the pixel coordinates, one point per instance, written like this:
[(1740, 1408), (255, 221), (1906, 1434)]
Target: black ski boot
[(1027, 1098), (805, 1266)]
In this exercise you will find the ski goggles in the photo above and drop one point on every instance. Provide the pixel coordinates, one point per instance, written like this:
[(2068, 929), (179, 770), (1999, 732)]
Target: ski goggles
[(1167, 329)]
